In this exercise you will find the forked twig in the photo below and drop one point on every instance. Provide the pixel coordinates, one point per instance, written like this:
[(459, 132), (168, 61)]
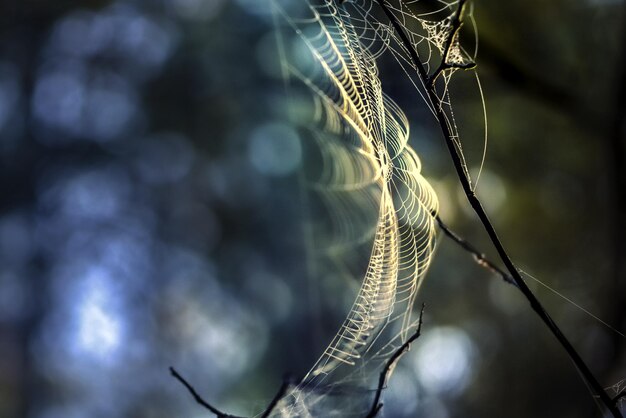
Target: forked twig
[(428, 83), (287, 381), (445, 64), (390, 365)]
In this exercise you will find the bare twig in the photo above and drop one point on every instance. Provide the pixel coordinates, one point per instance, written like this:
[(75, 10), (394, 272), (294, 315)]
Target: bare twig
[(445, 64), (282, 391), (390, 365), (479, 257), (198, 398), (480, 211), (619, 397)]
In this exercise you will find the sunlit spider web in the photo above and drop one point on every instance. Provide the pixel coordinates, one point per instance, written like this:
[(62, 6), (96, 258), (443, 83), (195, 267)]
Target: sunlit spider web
[(367, 176)]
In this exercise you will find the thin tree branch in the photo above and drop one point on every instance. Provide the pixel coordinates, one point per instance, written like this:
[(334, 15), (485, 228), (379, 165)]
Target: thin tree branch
[(479, 257), (390, 365), (619, 397), (482, 215), (198, 398), (282, 391), (287, 381), (445, 64)]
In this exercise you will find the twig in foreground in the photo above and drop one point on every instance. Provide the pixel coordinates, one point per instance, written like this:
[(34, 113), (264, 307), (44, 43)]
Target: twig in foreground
[(390, 365), (198, 398)]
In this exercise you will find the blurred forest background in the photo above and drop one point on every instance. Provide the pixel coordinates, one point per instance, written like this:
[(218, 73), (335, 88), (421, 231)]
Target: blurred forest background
[(150, 213)]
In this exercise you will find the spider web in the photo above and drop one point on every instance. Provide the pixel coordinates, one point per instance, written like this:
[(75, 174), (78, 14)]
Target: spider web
[(432, 35), (366, 175), (618, 391)]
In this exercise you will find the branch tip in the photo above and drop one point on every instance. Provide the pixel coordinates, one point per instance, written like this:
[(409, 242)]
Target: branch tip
[(197, 397), (389, 366)]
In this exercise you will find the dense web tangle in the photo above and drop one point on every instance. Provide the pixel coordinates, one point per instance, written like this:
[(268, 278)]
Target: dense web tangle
[(432, 33), (366, 173)]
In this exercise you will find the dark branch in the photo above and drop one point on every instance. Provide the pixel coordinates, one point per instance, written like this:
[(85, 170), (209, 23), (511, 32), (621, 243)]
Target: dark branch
[(282, 391), (390, 365), (445, 64), (619, 397), (375, 411), (480, 211), (198, 398), (288, 381), (479, 257)]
